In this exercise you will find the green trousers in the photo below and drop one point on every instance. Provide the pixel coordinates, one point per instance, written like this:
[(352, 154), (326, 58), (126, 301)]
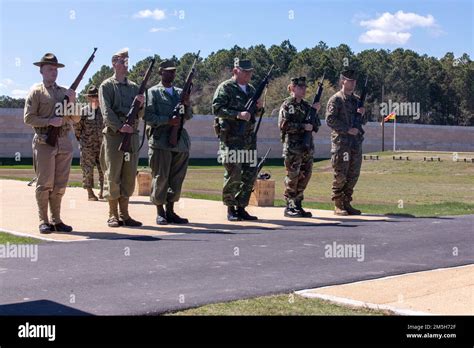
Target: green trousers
[(168, 170)]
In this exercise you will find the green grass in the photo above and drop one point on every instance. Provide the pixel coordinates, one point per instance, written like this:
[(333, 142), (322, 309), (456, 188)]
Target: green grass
[(286, 304), (12, 239)]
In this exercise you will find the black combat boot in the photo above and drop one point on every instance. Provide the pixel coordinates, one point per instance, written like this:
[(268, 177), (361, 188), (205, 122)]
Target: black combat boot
[(232, 214), (304, 213), (61, 227), (161, 215), (172, 217), (244, 215), (291, 211), (45, 228)]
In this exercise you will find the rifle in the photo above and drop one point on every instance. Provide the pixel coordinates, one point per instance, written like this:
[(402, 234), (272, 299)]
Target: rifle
[(179, 110), (251, 105), (133, 112), (307, 138), (262, 161), (357, 120), (53, 132), (33, 181)]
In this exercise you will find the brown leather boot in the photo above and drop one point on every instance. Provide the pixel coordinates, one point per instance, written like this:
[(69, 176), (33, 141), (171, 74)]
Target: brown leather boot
[(124, 215), (113, 214), (92, 196), (339, 208), (350, 209)]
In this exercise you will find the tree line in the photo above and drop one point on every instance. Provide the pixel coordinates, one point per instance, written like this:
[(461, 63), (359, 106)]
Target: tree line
[(443, 87)]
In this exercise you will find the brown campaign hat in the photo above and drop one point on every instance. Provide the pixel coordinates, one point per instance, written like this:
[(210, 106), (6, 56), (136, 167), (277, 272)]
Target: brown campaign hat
[(50, 59)]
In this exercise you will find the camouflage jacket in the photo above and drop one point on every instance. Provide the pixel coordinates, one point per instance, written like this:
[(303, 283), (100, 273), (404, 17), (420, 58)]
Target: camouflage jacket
[(88, 130), (159, 109), (291, 121), (228, 101), (340, 111)]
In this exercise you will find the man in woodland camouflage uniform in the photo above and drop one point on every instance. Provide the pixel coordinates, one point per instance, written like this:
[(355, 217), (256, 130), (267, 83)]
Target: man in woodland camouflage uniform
[(228, 105)]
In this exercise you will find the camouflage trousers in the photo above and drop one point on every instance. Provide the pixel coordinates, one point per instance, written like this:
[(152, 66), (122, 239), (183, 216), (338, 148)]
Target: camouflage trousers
[(240, 174), (90, 157), (346, 162), (299, 168), (239, 179)]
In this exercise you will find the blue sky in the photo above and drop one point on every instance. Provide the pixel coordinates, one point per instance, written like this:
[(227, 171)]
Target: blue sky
[(71, 29)]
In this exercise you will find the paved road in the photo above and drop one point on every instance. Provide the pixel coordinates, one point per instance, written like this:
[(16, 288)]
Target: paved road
[(146, 275)]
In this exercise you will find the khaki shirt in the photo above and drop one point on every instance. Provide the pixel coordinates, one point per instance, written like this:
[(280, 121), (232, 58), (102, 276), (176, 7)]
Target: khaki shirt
[(159, 109), (116, 99), (40, 107)]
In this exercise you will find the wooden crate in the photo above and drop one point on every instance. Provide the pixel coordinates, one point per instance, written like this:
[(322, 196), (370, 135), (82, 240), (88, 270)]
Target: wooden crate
[(263, 194), (142, 184)]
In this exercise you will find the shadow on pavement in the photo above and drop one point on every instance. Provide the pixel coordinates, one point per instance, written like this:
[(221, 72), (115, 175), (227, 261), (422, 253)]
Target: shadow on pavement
[(40, 307)]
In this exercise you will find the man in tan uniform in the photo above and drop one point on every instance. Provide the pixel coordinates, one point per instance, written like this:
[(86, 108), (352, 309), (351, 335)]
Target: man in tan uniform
[(116, 96), (51, 163)]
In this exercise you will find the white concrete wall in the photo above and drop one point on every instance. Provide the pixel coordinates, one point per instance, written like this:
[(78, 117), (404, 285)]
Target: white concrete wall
[(15, 136)]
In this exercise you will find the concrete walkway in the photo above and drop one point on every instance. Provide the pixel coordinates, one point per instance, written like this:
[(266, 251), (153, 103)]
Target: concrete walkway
[(155, 269)]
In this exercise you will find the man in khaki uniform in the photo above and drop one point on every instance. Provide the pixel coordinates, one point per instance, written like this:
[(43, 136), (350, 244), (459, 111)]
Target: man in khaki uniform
[(168, 163), (51, 163), (116, 96)]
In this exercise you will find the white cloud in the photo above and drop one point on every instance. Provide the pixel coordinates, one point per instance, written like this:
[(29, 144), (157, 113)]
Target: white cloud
[(18, 93), (158, 30), (156, 14), (388, 37), (5, 83), (394, 28)]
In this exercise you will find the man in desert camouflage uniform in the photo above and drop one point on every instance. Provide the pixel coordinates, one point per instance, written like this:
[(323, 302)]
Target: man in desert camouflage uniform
[(89, 136), (116, 96), (298, 159), (346, 143), (51, 163), (228, 105)]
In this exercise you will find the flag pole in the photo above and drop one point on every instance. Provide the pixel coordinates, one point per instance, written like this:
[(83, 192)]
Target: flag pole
[(394, 133), (383, 124)]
